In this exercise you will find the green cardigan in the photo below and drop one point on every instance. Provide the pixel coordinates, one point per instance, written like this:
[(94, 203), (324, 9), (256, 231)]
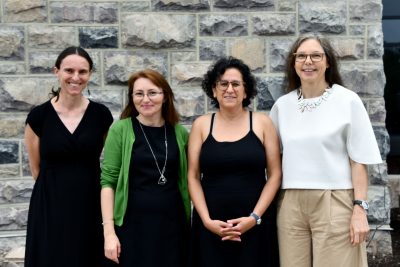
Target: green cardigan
[(117, 158)]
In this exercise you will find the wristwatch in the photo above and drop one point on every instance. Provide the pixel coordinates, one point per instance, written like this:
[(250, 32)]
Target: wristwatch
[(364, 204), (256, 217)]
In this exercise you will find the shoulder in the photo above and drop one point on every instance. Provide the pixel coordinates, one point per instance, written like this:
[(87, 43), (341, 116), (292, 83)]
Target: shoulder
[(202, 121), (262, 119), (100, 107), (180, 129), (41, 108), (346, 95), (121, 124), (286, 98)]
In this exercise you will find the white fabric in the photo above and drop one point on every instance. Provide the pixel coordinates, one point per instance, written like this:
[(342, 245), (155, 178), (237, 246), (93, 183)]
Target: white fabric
[(316, 145)]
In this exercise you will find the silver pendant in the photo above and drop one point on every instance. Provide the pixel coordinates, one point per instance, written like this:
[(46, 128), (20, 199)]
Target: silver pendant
[(162, 180)]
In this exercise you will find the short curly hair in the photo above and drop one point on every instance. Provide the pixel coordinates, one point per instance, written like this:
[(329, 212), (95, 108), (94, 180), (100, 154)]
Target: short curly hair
[(218, 69)]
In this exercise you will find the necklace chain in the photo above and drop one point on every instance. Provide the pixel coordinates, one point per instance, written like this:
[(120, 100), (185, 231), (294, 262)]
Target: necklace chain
[(162, 180), (311, 104)]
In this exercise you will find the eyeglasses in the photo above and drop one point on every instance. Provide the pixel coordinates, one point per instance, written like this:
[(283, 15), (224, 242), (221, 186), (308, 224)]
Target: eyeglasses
[(150, 94), (315, 57), (223, 85)]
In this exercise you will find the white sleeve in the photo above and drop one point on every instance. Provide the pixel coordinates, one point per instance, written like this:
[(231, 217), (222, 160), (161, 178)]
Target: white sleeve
[(361, 142), (273, 114)]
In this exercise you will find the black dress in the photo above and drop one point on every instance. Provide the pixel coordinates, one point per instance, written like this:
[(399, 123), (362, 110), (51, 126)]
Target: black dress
[(154, 232), (64, 219), (233, 176)]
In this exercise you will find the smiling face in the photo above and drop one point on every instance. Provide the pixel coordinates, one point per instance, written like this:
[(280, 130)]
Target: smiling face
[(234, 94), (148, 99), (73, 74), (309, 71)]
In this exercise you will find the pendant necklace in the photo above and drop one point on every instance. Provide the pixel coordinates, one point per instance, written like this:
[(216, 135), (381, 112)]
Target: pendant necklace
[(162, 180)]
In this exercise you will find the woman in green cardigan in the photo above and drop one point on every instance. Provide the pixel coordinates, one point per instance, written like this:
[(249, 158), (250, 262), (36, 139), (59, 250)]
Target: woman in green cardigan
[(144, 198)]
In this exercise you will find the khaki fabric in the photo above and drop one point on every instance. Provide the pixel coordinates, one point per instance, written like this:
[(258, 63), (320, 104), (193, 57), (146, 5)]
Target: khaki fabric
[(314, 229)]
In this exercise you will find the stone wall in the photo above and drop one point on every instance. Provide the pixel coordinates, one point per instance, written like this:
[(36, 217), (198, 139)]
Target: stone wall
[(179, 38)]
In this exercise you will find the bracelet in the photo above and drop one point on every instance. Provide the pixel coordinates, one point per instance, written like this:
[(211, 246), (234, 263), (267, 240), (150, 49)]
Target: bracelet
[(107, 221)]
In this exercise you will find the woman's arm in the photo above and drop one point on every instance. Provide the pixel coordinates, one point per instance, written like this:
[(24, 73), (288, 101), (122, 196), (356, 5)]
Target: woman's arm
[(32, 142), (112, 247), (274, 173), (196, 139), (359, 227)]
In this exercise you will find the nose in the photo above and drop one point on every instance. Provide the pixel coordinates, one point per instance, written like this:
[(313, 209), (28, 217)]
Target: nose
[(75, 75), (308, 59), (230, 87)]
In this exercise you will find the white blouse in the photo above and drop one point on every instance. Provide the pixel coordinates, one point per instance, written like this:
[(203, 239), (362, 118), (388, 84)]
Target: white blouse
[(317, 144)]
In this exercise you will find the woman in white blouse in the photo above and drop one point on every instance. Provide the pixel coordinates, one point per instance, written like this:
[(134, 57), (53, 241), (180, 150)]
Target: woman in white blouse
[(326, 141)]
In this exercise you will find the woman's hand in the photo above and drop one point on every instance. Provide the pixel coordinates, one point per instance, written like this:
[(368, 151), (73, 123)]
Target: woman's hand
[(359, 227), (223, 229), (239, 225), (112, 247)]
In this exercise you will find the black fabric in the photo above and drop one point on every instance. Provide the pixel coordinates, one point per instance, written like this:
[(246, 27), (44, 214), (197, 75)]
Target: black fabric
[(233, 176), (64, 219), (154, 232)]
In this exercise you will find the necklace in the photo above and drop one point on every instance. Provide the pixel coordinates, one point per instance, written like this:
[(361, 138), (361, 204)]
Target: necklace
[(311, 104), (162, 180)]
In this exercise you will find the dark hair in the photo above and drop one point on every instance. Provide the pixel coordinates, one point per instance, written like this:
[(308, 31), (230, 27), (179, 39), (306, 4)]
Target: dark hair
[(72, 50), (218, 69), (332, 74), (168, 111)]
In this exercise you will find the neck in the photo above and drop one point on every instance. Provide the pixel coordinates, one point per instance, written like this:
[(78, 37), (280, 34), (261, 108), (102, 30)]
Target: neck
[(232, 115), (156, 121), (310, 90), (69, 102)]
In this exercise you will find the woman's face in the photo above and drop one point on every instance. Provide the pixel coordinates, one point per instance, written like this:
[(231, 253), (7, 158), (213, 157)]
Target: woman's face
[(229, 90), (73, 75), (147, 98), (312, 69)]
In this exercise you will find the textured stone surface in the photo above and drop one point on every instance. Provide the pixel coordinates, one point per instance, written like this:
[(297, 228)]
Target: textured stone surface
[(9, 152), (365, 10), (8, 243), (379, 201), (190, 104), (12, 126), (382, 138), (12, 43), (183, 56), (13, 218), (223, 25), (162, 31), (269, 90), (188, 74), (274, 24), (75, 12), (180, 5), (376, 110), (9, 171), (349, 48), (98, 37), (212, 49), (25, 11), (42, 62), (278, 52), (394, 187), (245, 4), (136, 6), (16, 191), (378, 174), (375, 42), (287, 5), (251, 51), (357, 29), (47, 36), (12, 68), (381, 244)]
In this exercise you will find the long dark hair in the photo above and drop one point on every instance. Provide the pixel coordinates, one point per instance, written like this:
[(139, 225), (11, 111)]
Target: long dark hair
[(215, 72), (168, 110), (72, 50), (332, 74)]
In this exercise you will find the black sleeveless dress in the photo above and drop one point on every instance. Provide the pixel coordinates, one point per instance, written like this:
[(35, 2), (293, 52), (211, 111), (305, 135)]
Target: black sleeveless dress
[(154, 232), (233, 176), (64, 219)]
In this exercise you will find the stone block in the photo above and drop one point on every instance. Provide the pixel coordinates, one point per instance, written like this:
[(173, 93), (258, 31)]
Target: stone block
[(181, 5), (364, 78), (287, 5), (377, 174), (278, 53), (8, 243), (15, 68), (348, 48), (365, 10), (12, 126), (42, 62), (357, 30), (251, 51), (16, 191), (382, 137), (118, 66), (12, 43), (212, 49), (9, 171), (75, 12), (183, 56), (98, 37), (25, 11), (51, 37), (379, 204), (245, 4), (188, 73), (111, 98), (9, 152), (13, 217), (158, 31), (376, 109), (269, 90), (274, 24), (36, 91), (135, 6), (26, 171), (394, 187), (190, 104), (380, 244), (223, 25), (317, 16), (375, 41)]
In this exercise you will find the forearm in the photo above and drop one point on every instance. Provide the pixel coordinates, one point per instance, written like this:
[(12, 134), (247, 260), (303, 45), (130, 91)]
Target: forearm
[(107, 210), (359, 175), (198, 199), (267, 195)]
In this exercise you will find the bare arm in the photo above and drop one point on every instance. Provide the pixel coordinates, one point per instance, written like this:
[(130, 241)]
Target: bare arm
[(32, 142), (359, 227), (112, 246), (271, 145), (196, 139)]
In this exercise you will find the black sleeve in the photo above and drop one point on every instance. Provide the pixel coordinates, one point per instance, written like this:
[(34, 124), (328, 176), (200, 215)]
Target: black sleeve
[(35, 119)]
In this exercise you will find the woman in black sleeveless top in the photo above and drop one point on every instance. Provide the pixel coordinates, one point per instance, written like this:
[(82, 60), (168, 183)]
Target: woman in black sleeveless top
[(230, 154)]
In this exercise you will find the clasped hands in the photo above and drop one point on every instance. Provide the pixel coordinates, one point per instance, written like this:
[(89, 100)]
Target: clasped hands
[(231, 230)]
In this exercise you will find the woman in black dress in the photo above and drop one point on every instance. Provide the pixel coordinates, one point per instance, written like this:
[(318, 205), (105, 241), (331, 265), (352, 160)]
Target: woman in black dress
[(230, 153), (64, 138), (144, 198)]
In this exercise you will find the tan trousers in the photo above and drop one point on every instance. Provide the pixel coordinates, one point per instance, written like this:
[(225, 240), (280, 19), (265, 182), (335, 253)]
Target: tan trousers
[(314, 229)]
